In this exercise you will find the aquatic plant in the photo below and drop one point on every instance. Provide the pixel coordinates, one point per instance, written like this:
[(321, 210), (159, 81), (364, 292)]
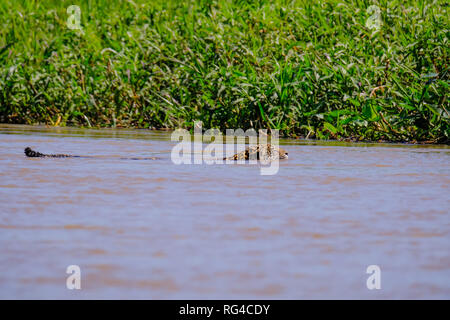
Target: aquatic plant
[(317, 69)]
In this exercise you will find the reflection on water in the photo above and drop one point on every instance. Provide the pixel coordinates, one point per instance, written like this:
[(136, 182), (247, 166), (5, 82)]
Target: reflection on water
[(152, 229)]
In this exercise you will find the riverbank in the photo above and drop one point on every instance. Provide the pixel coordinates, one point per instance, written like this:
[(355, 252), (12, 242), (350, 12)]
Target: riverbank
[(310, 70)]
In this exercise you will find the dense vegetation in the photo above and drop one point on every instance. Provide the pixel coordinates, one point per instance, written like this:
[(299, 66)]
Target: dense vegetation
[(309, 68)]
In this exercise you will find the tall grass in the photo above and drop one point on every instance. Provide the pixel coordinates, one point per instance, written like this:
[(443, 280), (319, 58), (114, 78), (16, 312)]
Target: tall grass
[(308, 68)]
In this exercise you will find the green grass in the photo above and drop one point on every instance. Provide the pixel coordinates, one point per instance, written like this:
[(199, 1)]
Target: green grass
[(307, 68)]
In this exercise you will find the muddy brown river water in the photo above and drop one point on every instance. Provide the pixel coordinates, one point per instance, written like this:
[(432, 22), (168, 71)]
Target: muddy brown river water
[(151, 229)]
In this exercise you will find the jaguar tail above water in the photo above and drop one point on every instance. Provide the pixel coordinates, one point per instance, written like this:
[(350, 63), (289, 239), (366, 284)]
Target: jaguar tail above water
[(35, 154)]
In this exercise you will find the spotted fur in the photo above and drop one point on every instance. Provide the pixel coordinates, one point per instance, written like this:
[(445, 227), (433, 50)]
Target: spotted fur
[(267, 152), (35, 154)]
